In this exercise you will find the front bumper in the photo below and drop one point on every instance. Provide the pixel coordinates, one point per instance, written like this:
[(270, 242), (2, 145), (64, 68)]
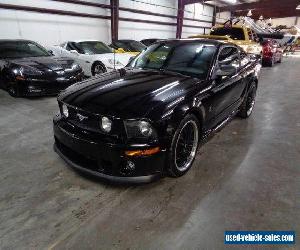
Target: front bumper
[(89, 153), (35, 87)]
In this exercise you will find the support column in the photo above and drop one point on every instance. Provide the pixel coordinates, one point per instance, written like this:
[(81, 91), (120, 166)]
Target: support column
[(214, 16), (114, 13), (180, 14)]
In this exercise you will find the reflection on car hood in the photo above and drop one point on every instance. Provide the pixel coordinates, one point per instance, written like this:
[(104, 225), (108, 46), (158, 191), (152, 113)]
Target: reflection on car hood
[(128, 93), (44, 63)]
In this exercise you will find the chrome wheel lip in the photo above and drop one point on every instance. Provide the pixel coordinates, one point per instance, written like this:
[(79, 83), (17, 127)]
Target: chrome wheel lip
[(252, 102), (191, 157)]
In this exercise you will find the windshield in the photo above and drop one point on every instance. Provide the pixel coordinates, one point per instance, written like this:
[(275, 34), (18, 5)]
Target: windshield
[(133, 46), (233, 33), (20, 49), (192, 59), (93, 47)]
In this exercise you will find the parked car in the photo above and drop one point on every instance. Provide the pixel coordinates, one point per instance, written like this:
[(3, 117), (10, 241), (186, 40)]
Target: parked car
[(272, 52), (149, 118), (28, 69), (149, 41), (129, 46), (95, 57), (239, 35)]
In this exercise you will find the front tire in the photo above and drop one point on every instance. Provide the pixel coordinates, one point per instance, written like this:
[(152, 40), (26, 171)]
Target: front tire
[(13, 90), (98, 68), (184, 146), (248, 103)]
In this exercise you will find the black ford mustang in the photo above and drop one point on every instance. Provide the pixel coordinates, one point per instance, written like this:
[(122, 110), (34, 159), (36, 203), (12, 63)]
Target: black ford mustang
[(27, 69), (148, 119)]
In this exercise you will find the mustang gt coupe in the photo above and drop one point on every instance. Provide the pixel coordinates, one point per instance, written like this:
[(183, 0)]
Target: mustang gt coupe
[(28, 69), (148, 119)]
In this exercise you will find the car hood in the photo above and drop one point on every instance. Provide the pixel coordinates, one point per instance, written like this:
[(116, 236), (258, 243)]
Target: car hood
[(130, 93), (44, 63)]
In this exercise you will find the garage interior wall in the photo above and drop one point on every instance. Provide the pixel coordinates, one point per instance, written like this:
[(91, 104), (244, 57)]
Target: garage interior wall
[(197, 11), (51, 29)]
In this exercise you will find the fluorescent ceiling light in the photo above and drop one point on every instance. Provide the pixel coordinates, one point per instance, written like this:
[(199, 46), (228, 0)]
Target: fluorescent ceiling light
[(229, 1), (298, 7)]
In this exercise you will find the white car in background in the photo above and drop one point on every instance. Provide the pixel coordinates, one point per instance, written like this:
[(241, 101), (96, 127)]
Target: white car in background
[(95, 57)]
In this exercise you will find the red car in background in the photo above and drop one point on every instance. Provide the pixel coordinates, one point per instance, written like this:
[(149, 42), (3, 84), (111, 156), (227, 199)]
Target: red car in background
[(272, 52)]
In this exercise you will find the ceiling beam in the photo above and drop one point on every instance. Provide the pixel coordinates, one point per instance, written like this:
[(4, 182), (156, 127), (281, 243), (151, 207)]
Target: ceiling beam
[(263, 4)]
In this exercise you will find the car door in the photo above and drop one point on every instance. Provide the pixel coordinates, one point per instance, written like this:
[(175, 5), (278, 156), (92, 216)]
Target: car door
[(226, 90)]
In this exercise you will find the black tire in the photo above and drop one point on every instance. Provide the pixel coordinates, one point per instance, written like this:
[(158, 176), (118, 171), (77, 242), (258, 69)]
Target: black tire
[(13, 90), (270, 63), (174, 167), (98, 68), (248, 103)]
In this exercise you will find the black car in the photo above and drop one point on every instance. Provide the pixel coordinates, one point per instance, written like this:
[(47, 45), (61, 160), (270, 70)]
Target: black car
[(128, 45), (149, 41), (28, 69), (148, 119)]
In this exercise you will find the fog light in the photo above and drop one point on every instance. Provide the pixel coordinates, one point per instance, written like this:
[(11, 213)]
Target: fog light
[(130, 166), (145, 152)]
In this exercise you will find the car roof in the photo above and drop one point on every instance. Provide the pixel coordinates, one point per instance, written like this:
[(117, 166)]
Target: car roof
[(201, 40), (84, 40), (16, 40)]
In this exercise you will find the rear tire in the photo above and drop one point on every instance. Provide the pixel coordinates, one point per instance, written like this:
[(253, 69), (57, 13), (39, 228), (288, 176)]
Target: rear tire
[(248, 103), (184, 146)]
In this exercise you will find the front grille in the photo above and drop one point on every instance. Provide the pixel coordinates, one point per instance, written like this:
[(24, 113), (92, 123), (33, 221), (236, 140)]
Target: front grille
[(84, 119), (100, 165)]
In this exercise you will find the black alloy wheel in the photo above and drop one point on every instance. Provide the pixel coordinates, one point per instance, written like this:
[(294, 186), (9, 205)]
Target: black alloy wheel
[(184, 146), (248, 104), (13, 90)]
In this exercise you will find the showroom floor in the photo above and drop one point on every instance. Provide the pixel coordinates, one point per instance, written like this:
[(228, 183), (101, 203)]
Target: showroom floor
[(245, 178)]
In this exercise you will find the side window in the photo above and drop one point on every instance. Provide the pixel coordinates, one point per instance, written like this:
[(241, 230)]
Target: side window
[(72, 46), (244, 58), (229, 56)]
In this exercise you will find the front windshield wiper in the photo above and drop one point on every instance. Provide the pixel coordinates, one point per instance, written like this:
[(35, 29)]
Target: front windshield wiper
[(172, 72)]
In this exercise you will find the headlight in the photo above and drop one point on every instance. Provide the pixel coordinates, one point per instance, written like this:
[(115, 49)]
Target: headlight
[(111, 61), (27, 70), (139, 129), (65, 110), (75, 67), (106, 124)]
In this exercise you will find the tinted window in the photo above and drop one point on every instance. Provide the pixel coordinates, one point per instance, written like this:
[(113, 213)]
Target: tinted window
[(192, 59), (229, 56), (93, 48), (20, 49), (233, 33), (132, 46)]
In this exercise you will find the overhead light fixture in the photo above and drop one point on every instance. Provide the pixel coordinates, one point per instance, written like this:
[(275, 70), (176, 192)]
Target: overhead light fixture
[(249, 13), (298, 7), (229, 1)]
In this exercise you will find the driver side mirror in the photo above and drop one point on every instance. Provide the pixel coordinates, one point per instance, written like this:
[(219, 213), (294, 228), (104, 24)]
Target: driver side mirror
[(75, 52), (226, 70)]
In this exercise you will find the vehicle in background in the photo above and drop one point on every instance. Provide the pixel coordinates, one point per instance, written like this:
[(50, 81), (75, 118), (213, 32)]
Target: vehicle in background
[(149, 41), (272, 52), (95, 57), (129, 46), (219, 38), (148, 119), (28, 69), (239, 35)]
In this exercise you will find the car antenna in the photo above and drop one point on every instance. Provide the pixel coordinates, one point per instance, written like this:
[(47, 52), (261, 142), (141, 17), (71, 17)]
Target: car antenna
[(114, 50)]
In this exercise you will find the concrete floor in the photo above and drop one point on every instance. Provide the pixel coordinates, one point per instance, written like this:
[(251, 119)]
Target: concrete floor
[(247, 177)]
